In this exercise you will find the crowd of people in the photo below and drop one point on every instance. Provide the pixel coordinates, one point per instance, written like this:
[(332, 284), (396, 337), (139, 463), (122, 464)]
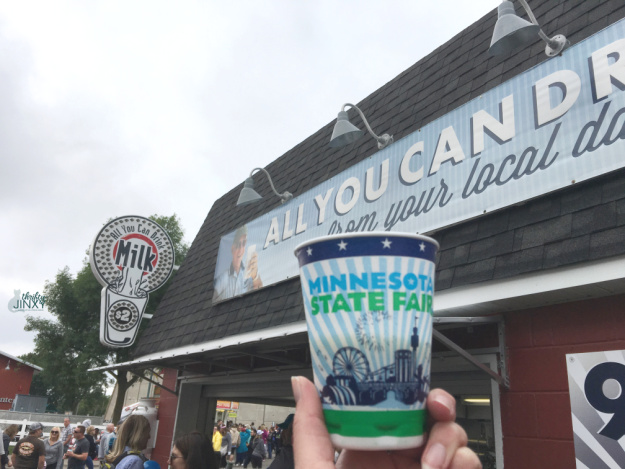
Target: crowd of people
[(301, 438), (237, 445), (78, 446)]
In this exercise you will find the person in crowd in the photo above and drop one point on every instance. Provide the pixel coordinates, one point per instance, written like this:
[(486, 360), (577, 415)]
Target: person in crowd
[(77, 457), (67, 433), (54, 448), (103, 449), (132, 438), (225, 447), (192, 451), (258, 451), (271, 441), (7, 437), (445, 447), (96, 436), (285, 459), (244, 440), (93, 449), (250, 446), (217, 437), (234, 435), (264, 434), (30, 452)]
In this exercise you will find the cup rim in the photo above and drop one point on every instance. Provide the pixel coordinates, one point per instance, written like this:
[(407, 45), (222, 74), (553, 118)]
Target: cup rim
[(367, 234)]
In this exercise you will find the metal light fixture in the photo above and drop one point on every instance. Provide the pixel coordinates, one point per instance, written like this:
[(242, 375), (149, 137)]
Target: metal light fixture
[(248, 195), (8, 367), (345, 132), (511, 32)]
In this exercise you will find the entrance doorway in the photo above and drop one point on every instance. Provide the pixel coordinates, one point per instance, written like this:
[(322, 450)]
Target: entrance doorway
[(477, 402)]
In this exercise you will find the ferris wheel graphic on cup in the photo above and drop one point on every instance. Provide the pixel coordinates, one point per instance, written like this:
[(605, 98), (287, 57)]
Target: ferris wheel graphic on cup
[(130, 257)]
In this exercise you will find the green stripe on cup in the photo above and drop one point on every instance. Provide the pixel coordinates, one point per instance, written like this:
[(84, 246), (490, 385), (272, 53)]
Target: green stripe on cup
[(374, 424)]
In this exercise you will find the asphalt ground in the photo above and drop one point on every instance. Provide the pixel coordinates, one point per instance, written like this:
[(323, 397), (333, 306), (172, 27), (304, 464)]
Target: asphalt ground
[(266, 463)]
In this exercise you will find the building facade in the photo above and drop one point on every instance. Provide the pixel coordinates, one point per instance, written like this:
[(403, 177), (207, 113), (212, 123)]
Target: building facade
[(515, 164), (15, 378)]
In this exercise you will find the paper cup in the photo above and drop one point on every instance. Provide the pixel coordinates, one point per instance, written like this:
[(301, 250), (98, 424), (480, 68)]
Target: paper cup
[(368, 300)]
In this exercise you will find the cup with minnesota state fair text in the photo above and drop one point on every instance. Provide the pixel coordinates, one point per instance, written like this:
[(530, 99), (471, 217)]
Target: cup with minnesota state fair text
[(368, 300)]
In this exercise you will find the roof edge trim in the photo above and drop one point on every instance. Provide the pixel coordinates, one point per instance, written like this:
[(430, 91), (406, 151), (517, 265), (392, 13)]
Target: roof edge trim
[(446, 303), (11, 357), (529, 284), (240, 339)]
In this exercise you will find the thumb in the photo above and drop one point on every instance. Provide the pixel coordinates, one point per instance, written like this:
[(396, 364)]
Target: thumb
[(311, 441)]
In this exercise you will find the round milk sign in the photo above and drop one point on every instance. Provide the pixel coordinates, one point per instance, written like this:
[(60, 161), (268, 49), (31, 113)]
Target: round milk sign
[(130, 256)]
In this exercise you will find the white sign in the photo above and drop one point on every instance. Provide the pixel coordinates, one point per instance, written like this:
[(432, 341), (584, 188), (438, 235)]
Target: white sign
[(131, 256), (557, 124), (597, 391)]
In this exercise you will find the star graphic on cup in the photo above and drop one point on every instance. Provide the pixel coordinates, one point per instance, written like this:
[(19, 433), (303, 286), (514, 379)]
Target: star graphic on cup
[(309, 251), (411, 282), (342, 246), (422, 246), (386, 244)]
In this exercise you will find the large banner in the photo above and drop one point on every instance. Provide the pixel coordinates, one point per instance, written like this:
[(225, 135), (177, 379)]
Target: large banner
[(596, 388), (557, 124)]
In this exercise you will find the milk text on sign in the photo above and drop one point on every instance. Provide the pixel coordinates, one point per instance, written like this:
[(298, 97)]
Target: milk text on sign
[(135, 254)]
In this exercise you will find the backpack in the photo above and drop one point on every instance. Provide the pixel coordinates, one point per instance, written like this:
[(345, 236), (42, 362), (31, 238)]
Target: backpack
[(111, 465), (112, 439), (93, 449)]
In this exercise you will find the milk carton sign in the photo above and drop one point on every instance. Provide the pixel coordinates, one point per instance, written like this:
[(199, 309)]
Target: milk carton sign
[(130, 256)]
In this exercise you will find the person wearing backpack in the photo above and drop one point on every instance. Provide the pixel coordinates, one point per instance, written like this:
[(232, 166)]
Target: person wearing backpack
[(132, 438), (104, 449), (93, 449)]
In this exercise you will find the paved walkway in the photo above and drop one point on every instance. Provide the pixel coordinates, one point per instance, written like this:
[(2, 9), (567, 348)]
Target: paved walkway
[(266, 463)]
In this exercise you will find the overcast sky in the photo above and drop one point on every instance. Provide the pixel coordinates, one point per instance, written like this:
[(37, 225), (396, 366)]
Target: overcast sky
[(119, 108)]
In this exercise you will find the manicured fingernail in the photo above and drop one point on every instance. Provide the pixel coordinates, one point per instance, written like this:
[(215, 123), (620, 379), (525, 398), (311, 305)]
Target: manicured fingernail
[(295, 384), (434, 457), (447, 401)]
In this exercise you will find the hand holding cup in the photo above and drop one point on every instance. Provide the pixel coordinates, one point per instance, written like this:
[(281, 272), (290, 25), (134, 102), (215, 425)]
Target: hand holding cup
[(445, 447)]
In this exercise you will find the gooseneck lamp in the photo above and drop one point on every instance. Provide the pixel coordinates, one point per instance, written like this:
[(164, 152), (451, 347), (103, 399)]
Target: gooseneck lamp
[(248, 195), (345, 132), (512, 32)]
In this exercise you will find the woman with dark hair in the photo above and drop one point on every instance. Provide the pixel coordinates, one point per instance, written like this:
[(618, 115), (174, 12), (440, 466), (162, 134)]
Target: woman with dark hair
[(258, 450), (192, 451), (7, 437), (226, 446)]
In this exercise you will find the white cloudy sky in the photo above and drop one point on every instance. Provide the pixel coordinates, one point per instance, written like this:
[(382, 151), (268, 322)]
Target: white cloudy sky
[(115, 108)]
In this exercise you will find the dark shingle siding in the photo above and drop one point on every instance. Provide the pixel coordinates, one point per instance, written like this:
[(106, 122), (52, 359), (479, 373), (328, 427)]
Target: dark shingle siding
[(584, 222)]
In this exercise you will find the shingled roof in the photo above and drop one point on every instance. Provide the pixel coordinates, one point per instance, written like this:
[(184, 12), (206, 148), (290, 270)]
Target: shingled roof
[(579, 224)]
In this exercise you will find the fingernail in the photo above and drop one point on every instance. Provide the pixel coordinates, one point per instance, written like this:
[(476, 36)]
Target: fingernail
[(434, 457), (447, 401), (295, 384)]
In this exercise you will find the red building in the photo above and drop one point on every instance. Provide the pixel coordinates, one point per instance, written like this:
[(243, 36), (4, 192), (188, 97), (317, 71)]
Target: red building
[(15, 378)]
